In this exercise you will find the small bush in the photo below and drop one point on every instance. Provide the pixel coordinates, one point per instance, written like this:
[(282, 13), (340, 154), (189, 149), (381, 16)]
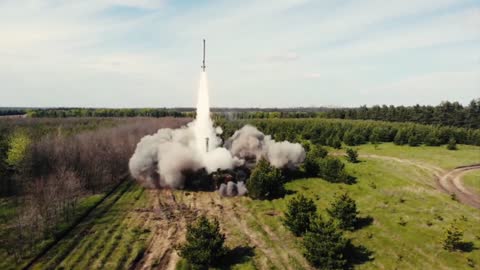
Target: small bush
[(453, 238), (300, 212), (471, 263), (333, 170), (205, 244), (402, 222), (344, 209), (352, 155), (452, 144)]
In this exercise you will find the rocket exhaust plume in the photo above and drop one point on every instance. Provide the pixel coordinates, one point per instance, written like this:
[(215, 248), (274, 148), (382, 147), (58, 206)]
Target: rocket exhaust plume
[(161, 160)]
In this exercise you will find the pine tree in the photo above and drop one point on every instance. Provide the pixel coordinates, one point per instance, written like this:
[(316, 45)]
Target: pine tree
[(352, 155), (414, 140), (205, 244), (300, 212), (325, 246), (311, 163), (334, 141), (333, 170), (344, 210), (265, 182), (349, 138), (400, 137)]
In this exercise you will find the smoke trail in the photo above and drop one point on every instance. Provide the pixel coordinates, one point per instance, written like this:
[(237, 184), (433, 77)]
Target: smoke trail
[(162, 159), (203, 127)]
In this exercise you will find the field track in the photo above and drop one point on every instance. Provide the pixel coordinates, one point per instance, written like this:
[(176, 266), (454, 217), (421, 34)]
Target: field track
[(447, 181), (452, 181), (172, 211)]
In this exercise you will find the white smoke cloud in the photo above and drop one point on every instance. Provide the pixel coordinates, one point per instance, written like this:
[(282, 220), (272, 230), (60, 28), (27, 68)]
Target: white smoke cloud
[(232, 189), (161, 160), (249, 143)]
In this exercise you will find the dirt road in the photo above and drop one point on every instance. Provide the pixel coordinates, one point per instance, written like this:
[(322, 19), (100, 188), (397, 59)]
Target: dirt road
[(452, 182)]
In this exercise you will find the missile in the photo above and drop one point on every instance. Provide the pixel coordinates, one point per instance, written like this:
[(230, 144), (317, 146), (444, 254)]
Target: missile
[(203, 63)]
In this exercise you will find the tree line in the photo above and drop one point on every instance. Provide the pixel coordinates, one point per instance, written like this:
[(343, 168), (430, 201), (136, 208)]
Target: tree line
[(11, 111), (108, 112), (332, 132), (446, 114)]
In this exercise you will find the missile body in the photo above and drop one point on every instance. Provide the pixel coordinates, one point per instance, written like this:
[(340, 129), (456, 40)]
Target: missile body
[(203, 63)]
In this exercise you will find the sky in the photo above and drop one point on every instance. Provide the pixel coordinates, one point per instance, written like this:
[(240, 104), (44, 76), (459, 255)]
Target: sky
[(279, 53)]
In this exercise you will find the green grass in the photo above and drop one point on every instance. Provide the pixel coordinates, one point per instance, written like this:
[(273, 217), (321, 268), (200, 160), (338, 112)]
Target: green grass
[(472, 181), (110, 239), (84, 231), (390, 192), (7, 214), (435, 155), (113, 235)]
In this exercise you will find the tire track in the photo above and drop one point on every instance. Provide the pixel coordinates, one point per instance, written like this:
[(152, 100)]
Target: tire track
[(169, 219), (452, 181), (234, 216), (446, 181)]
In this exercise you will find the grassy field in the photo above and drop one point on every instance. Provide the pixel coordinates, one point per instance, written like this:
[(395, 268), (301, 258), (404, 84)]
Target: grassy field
[(391, 192), (434, 155), (408, 214), (7, 213), (472, 181), (110, 238)]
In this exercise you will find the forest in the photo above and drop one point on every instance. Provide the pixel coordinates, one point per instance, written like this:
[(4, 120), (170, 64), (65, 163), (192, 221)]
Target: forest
[(332, 132), (446, 114), (48, 166)]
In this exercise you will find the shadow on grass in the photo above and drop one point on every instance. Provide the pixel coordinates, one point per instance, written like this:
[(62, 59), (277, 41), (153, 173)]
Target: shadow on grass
[(466, 247), (357, 255), (363, 222), (237, 255)]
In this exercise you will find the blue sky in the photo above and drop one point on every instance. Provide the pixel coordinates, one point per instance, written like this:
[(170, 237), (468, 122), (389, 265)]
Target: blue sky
[(284, 53)]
